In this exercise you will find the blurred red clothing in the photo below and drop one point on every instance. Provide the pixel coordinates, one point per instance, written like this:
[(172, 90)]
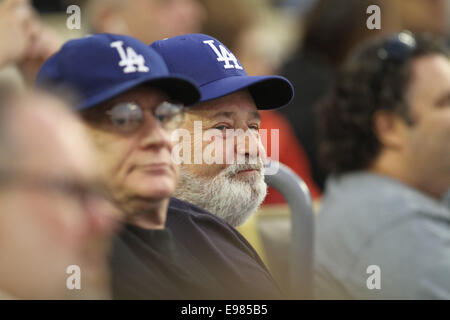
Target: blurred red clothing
[(291, 153)]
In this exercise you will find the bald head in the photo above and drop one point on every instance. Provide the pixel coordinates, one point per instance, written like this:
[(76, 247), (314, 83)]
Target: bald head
[(50, 215)]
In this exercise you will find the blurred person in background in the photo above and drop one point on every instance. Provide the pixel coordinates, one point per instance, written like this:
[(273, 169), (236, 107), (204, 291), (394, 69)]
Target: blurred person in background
[(169, 249), (447, 198), (146, 20), (26, 41), (52, 212), (385, 139), (423, 15), (331, 29), (16, 30)]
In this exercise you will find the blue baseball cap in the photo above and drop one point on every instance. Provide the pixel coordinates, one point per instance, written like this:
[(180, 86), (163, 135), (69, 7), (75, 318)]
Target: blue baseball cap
[(217, 72), (101, 66)]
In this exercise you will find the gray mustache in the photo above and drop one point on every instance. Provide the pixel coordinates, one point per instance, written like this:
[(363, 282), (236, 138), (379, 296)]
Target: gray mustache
[(235, 168)]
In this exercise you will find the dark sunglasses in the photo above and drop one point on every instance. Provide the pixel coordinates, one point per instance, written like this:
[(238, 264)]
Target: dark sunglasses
[(398, 48), (394, 53)]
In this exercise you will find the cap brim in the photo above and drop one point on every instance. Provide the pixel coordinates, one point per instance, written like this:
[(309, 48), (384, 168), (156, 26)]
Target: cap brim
[(268, 92), (177, 88)]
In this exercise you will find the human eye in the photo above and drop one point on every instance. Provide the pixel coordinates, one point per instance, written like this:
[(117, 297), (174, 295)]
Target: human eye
[(222, 126), (254, 126), (126, 117), (169, 115)]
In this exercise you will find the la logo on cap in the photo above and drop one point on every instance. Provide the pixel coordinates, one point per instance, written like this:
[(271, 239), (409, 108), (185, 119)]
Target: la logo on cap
[(130, 60), (224, 56)]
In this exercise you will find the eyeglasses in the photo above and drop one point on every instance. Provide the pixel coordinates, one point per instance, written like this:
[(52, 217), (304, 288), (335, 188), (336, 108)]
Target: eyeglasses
[(81, 192), (127, 117)]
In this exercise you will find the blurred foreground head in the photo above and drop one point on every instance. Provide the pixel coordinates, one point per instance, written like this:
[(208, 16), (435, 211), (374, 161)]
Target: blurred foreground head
[(52, 214), (390, 113)]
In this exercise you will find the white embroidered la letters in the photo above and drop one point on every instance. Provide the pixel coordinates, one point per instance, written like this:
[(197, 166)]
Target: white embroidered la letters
[(224, 55), (130, 59)]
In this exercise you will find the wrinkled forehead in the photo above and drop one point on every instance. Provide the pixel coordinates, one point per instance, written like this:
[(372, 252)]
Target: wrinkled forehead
[(236, 105)]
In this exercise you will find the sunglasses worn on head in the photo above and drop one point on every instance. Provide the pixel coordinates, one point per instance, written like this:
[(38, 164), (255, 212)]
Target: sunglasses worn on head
[(393, 54), (398, 48)]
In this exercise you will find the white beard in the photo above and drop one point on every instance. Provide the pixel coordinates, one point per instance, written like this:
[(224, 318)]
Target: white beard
[(227, 196)]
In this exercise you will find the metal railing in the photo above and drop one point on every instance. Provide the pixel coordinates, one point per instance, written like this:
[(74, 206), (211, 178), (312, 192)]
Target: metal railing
[(298, 198)]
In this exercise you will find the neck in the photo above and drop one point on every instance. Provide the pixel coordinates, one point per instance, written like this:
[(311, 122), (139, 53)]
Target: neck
[(397, 167), (389, 165), (148, 215)]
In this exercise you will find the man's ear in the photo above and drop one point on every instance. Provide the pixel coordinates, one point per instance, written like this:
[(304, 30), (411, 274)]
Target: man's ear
[(390, 129)]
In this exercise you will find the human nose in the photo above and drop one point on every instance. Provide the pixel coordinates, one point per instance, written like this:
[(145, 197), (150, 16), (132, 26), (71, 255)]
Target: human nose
[(248, 144), (154, 135)]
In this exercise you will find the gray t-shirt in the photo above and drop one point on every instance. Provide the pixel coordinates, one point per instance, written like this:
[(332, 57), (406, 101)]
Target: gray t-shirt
[(375, 232)]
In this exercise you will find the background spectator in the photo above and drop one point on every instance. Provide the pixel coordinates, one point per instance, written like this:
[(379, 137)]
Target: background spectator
[(331, 30), (386, 141), (146, 20)]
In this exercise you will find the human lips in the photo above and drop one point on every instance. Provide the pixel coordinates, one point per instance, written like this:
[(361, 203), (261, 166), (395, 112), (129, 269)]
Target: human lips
[(247, 171), (243, 170), (156, 168)]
